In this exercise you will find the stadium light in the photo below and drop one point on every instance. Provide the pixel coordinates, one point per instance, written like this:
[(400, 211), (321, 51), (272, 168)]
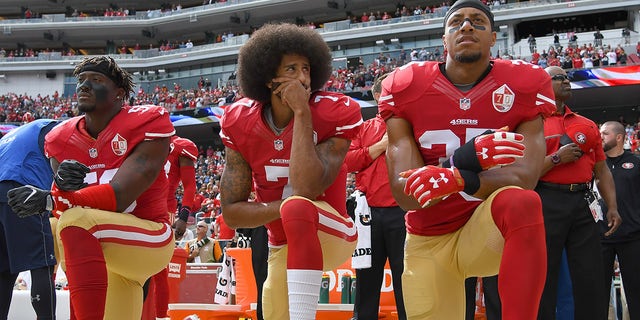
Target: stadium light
[(382, 45), (396, 43)]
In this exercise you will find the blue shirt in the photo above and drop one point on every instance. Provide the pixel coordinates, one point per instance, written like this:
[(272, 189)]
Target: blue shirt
[(22, 155)]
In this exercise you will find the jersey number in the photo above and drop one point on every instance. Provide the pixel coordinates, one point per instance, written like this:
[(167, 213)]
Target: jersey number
[(106, 176), (451, 141), (274, 173)]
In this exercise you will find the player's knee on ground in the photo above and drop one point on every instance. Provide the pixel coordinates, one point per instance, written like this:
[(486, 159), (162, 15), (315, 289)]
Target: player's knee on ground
[(516, 208)]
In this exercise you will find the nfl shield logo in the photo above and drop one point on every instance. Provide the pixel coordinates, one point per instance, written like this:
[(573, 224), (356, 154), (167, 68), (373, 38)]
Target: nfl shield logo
[(119, 145), (465, 103), (93, 153), (503, 98), (278, 145)]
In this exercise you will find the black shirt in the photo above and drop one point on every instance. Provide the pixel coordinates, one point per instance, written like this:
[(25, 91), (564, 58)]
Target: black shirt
[(626, 176)]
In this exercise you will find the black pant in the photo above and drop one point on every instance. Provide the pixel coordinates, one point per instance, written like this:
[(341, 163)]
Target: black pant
[(491, 297), (259, 256), (388, 234), (629, 259), (569, 224), (43, 292)]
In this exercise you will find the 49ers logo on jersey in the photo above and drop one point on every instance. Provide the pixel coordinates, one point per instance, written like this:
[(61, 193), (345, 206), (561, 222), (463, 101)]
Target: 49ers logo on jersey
[(503, 98), (119, 145), (627, 165)]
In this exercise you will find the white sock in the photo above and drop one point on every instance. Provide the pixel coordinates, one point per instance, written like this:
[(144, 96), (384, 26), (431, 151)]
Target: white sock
[(304, 290)]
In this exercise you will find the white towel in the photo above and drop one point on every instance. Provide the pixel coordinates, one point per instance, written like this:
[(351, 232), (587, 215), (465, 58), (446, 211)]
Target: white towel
[(361, 258), (225, 286)]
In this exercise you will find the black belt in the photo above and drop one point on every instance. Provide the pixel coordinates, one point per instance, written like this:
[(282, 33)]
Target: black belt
[(572, 187)]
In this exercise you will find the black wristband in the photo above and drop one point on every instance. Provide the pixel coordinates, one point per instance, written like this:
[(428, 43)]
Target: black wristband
[(465, 157), (471, 181)]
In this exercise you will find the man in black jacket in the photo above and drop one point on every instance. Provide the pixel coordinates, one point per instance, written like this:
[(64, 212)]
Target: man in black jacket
[(624, 243)]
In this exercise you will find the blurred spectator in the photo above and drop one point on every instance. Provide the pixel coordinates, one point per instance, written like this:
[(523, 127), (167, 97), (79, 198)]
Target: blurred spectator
[(203, 249), (626, 34), (532, 43)]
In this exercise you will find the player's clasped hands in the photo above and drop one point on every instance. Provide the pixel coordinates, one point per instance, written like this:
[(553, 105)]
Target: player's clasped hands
[(70, 175), (498, 148), (432, 183)]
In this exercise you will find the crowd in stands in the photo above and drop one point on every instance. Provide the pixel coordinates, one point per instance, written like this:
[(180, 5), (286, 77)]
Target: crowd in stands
[(590, 54), (358, 77), (212, 37), (585, 56)]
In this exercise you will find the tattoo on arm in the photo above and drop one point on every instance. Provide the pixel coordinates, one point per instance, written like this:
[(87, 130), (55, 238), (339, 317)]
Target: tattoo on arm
[(235, 183)]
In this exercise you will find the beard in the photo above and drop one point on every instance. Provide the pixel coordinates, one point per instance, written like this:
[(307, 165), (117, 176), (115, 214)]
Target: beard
[(86, 107), (608, 145), (467, 58)]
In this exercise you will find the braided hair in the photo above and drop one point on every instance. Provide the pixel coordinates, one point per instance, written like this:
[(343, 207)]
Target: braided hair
[(107, 66)]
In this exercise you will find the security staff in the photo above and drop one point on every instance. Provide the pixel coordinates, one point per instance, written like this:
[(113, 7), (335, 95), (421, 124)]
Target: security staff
[(574, 157), (625, 243)]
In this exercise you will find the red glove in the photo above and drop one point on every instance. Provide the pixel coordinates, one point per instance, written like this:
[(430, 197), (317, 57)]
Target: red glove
[(498, 148), (431, 183), (490, 149)]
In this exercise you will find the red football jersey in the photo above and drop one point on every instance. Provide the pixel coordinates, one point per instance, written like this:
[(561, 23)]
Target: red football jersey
[(443, 118), (268, 154), (180, 147), (105, 155)]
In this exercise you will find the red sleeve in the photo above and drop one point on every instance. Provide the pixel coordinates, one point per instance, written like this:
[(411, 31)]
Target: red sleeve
[(230, 122), (358, 156), (157, 123), (188, 176), (351, 119), (189, 149)]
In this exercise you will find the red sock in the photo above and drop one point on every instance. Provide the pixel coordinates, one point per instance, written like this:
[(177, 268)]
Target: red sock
[(518, 215), (300, 223), (161, 282), (86, 272)]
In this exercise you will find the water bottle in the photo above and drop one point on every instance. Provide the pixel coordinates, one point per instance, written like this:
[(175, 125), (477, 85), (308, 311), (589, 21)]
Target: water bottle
[(324, 289), (353, 289), (345, 281)]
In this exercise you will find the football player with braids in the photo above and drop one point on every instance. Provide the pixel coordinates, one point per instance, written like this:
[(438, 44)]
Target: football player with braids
[(471, 210), (289, 140), (113, 224)]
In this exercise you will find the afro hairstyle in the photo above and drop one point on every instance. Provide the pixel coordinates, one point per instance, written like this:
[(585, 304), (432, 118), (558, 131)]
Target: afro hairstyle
[(260, 57)]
